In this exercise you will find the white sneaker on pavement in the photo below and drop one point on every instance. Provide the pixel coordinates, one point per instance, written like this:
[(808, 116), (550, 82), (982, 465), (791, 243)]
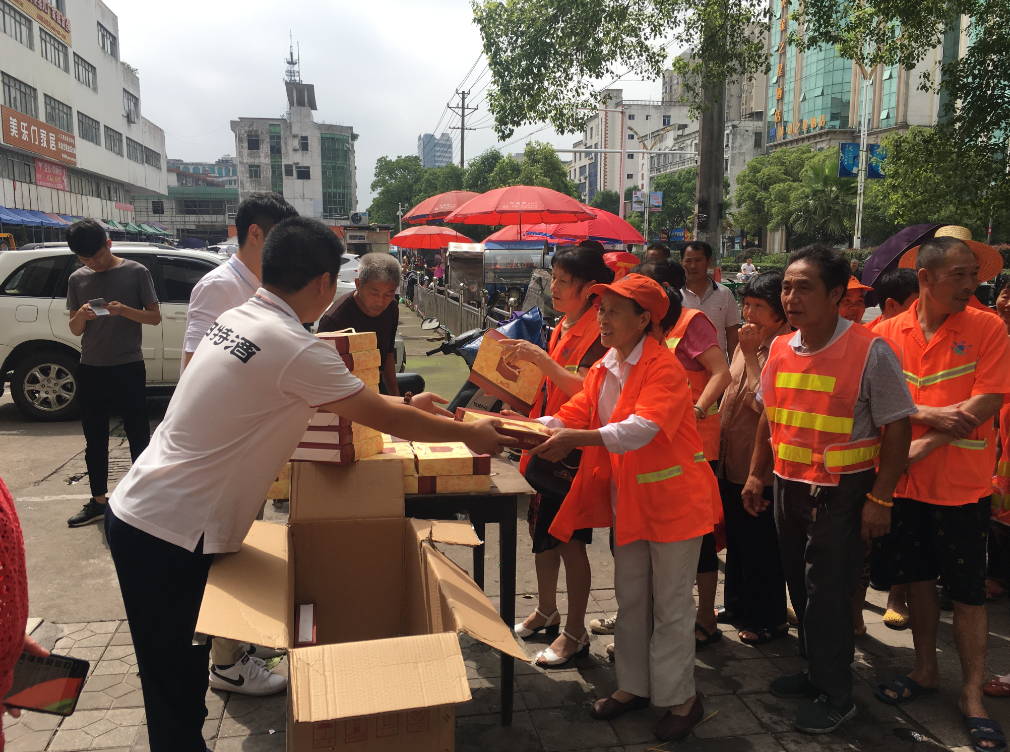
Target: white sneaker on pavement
[(248, 677)]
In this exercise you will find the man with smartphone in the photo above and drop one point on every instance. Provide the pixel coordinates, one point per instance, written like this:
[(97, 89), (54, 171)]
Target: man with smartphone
[(109, 299)]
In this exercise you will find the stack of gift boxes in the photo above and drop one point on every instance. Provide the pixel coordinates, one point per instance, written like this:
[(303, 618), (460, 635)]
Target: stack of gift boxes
[(446, 467), (330, 438)]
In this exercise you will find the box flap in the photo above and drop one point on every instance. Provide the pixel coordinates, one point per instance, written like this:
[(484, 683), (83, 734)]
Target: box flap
[(247, 592), (450, 532), (329, 682), (467, 609), (371, 490)]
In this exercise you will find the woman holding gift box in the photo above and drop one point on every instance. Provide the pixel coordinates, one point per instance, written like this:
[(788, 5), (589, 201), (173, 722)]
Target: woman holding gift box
[(574, 347), (643, 470)]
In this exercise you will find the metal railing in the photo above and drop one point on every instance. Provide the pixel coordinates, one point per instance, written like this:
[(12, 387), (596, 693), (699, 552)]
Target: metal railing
[(452, 313)]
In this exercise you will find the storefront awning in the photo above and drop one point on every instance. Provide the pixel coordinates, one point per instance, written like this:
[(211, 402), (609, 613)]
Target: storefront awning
[(115, 226), (130, 227), (57, 218), (145, 228), (8, 217)]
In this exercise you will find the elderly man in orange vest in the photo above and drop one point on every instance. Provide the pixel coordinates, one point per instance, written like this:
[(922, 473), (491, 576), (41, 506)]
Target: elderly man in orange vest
[(957, 363), (836, 427)]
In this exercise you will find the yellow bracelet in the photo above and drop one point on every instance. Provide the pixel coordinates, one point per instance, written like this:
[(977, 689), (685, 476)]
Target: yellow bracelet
[(882, 503)]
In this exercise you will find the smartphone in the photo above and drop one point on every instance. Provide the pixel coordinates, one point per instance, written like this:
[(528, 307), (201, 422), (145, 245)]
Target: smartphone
[(98, 306), (47, 685)]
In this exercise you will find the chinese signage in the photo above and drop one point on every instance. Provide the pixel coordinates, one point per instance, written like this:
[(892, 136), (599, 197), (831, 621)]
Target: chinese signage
[(638, 201), (655, 201), (46, 15), (37, 137), (875, 163), (51, 175), (848, 159)]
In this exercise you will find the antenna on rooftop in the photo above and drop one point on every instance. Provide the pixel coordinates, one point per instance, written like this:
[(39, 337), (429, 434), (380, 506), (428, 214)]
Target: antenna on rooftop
[(294, 73)]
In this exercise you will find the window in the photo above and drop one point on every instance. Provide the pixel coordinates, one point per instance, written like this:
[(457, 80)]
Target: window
[(54, 50), (89, 129), (254, 171), (631, 176), (726, 166), (85, 72), (201, 206), (252, 141), (631, 136), (36, 279), (666, 119), (157, 207), (275, 142), (632, 117), (302, 173), (152, 157), (59, 114), (305, 143), (631, 156), (648, 117), (113, 141), (107, 41), (289, 171), (757, 139), (134, 151), (181, 275), (590, 133), (131, 106), (20, 96), (17, 25)]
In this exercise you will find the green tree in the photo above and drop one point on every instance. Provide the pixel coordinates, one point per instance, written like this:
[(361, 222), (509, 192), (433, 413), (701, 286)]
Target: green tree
[(479, 170), (607, 200), (764, 190), (395, 183), (679, 189), (435, 180), (824, 205)]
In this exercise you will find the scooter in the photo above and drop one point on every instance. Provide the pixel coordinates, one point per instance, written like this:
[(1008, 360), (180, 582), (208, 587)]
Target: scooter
[(469, 395)]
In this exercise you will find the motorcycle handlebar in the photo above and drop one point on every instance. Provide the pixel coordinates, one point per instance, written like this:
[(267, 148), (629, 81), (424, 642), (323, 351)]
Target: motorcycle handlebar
[(432, 352)]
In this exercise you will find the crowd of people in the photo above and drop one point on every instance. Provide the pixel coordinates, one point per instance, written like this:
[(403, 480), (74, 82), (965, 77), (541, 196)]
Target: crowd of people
[(824, 455)]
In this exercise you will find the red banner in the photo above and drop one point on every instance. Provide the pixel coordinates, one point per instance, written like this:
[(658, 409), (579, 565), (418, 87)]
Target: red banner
[(46, 15), (37, 137), (51, 175)]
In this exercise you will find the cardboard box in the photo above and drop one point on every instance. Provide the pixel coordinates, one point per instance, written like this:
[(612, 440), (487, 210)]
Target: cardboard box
[(443, 484), (335, 454), (402, 451), (367, 375), (352, 434), (363, 359), (530, 433), (350, 341), (517, 385), (449, 458), (387, 669)]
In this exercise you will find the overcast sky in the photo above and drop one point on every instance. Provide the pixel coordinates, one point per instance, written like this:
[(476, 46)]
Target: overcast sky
[(385, 67)]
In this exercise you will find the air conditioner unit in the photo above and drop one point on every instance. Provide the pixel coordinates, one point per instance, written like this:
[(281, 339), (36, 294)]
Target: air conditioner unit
[(359, 218)]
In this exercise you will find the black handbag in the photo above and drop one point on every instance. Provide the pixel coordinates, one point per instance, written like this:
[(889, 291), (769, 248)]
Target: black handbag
[(553, 479)]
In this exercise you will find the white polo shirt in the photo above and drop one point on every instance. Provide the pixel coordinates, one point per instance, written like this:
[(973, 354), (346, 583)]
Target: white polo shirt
[(719, 305), (228, 286), (235, 419)]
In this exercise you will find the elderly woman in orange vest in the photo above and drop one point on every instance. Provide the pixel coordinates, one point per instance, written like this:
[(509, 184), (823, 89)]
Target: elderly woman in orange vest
[(574, 347), (644, 472)]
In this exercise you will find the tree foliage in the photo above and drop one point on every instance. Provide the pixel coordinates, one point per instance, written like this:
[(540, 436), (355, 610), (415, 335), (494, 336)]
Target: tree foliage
[(547, 56), (607, 200), (824, 205), (764, 189)]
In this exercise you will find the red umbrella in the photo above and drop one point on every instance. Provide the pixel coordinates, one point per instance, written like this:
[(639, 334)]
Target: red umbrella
[(510, 233), (427, 237), (620, 263), (438, 207), (518, 205), (606, 228)]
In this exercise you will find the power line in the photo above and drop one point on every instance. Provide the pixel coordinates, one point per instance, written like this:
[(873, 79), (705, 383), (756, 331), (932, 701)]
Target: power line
[(462, 110)]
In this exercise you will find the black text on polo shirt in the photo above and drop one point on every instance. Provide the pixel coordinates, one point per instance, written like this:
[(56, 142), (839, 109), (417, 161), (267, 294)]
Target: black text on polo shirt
[(237, 345)]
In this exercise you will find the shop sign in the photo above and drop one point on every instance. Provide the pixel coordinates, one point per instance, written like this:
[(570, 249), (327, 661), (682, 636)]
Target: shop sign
[(37, 137), (51, 175), (46, 15)]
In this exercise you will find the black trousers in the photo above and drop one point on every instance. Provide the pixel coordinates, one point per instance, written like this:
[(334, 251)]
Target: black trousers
[(822, 557), (755, 583), (100, 390), (162, 586)]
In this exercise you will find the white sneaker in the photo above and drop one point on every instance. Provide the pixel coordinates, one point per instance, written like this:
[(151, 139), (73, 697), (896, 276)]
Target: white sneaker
[(247, 677), (264, 654)]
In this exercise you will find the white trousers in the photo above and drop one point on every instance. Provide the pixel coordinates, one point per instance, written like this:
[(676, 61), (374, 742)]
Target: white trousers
[(654, 641)]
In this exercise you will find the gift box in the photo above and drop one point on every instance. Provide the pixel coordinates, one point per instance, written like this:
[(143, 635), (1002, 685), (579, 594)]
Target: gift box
[(369, 376), (518, 385), (401, 451), (449, 458), (336, 454), (529, 433), (339, 435), (364, 359), (350, 341), (453, 484)]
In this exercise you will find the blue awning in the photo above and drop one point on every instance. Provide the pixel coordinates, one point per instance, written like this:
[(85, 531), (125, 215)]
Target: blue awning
[(42, 219), (26, 218), (8, 217)]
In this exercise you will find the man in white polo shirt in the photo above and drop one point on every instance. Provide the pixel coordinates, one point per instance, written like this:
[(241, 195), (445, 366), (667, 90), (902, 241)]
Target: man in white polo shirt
[(705, 294), (235, 419)]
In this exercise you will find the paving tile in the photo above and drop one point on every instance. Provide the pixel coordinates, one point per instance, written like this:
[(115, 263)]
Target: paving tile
[(733, 718), (29, 741), (88, 654), (752, 743), (487, 698), (123, 736), (555, 689), (735, 677), (104, 668), (773, 713), (82, 718), (103, 627), (121, 638), (259, 743), (211, 727), (132, 699), (484, 733), (38, 721), (92, 641), (118, 652), (127, 716), (639, 726), (70, 740), (245, 715), (571, 728)]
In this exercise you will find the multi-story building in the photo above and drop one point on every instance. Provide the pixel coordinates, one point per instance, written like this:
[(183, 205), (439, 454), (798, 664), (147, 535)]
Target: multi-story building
[(224, 170), (74, 140), (311, 164), (198, 206), (434, 152)]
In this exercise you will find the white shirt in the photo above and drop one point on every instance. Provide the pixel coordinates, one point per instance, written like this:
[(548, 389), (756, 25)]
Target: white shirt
[(228, 286), (235, 419), (718, 304), (748, 268)]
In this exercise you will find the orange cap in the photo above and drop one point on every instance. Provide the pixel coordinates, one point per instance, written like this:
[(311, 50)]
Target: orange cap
[(855, 284), (645, 291)]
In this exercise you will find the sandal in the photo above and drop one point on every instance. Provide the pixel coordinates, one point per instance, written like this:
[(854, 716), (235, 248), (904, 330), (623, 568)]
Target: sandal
[(722, 616), (549, 659), (894, 620), (980, 729), (551, 630), (898, 686), (764, 636), (710, 637), (996, 688)]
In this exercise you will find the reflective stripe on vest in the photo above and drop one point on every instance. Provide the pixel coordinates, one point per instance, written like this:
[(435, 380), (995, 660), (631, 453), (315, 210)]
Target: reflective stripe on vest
[(670, 472), (795, 454), (839, 459), (800, 419), (809, 381), (936, 378), (1003, 469), (970, 443)]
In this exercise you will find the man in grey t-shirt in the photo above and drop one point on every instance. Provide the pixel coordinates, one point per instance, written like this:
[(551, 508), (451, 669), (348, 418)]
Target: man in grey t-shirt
[(111, 374)]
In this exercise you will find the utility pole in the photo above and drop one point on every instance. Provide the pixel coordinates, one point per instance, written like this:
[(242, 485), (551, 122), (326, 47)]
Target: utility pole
[(461, 110), (711, 154), (399, 213), (864, 123)]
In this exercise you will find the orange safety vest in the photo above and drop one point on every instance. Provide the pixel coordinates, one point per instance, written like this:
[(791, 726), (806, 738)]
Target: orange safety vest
[(666, 490), (708, 428), (809, 401), (567, 350), (1001, 481), (939, 373)]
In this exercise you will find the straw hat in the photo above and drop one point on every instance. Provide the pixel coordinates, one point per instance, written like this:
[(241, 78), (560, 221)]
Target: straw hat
[(990, 261)]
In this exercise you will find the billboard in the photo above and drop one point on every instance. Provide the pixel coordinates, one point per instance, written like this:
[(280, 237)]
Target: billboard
[(51, 175), (848, 159), (37, 137), (638, 201), (655, 201), (875, 161)]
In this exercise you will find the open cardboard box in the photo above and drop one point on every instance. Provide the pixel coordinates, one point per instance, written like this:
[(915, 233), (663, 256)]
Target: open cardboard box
[(387, 669)]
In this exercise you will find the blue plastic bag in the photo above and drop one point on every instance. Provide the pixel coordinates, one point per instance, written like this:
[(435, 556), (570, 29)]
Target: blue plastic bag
[(528, 326)]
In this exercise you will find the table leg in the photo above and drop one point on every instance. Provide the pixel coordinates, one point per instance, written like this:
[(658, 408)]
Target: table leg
[(478, 554), (507, 531)]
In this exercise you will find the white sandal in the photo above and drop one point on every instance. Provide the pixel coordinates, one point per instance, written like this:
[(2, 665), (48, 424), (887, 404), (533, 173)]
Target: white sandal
[(549, 659), (551, 630)]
